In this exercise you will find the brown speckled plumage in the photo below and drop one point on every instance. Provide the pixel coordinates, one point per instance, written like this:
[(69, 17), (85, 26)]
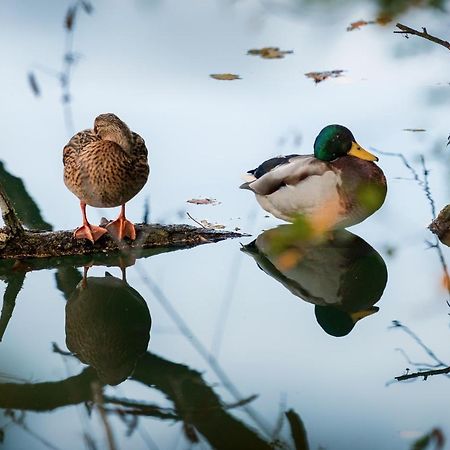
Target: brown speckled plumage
[(105, 167), (101, 172)]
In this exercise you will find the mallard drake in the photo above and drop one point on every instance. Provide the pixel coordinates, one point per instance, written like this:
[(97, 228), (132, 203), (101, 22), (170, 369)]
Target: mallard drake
[(105, 167), (342, 275), (337, 187)]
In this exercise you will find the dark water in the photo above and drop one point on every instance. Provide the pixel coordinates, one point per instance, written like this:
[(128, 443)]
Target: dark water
[(209, 346)]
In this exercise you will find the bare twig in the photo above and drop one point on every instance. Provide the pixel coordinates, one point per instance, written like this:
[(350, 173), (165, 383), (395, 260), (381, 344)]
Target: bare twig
[(196, 221), (424, 184), (409, 332), (444, 370), (298, 430), (198, 345), (423, 34), (99, 401), (423, 373), (15, 283), (12, 222)]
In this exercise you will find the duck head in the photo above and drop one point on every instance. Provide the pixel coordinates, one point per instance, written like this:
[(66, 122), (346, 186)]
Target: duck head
[(109, 127), (335, 141)]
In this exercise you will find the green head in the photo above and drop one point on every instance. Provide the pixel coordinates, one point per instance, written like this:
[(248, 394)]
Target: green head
[(335, 141)]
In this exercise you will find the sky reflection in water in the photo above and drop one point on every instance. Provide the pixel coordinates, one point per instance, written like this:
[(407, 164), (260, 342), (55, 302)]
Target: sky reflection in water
[(151, 66)]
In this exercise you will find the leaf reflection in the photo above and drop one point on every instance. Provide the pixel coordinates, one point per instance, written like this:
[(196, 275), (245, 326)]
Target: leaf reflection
[(343, 276)]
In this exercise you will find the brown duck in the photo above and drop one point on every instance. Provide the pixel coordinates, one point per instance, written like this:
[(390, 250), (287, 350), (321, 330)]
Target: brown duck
[(105, 167)]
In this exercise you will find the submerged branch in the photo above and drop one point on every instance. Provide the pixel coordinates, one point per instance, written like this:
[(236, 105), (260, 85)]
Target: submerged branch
[(34, 244), (423, 34)]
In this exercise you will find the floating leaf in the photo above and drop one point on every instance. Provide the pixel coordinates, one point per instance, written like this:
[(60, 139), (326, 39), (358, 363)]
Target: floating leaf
[(269, 52), (225, 76), (70, 17), (87, 6), (203, 201), (415, 130), (34, 84), (383, 20), (358, 24), (213, 226), (321, 76)]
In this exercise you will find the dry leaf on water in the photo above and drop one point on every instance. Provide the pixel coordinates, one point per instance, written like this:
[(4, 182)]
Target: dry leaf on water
[(321, 76), (203, 201), (225, 76), (362, 23), (213, 226), (358, 24), (269, 52)]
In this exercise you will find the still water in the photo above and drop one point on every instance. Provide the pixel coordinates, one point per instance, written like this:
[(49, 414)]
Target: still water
[(209, 346)]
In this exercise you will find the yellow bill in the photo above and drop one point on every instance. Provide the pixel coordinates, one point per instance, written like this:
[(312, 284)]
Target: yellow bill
[(364, 313), (359, 152)]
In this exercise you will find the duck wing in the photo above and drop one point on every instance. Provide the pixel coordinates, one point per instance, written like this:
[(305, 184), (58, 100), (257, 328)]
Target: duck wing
[(275, 173), (77, 143), (139, 147)]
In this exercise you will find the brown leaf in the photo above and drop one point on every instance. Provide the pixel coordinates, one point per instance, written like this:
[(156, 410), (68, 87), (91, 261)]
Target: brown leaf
[(269, 52), (225, 76), (214, 226), (321, 76), (34, 84), (70, 17), (358, 24), (203, 201), (382, 20)]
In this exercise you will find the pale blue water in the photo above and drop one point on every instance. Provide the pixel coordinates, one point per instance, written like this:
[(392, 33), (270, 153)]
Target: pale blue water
[(149, 62)]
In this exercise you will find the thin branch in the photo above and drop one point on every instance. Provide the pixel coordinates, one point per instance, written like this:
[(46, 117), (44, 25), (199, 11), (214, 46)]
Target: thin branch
[(196, 221), (423, 373), (12, 222), (198, 345), (423, 34), (15, 283), (424, 184), (428, 351), (99, 401)]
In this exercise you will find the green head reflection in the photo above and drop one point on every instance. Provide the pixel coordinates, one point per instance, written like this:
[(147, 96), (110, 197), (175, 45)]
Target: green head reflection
[(107, 326), (342, 275)]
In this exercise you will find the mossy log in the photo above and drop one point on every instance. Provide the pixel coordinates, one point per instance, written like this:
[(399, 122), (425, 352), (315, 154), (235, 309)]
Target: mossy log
[(45, 244)]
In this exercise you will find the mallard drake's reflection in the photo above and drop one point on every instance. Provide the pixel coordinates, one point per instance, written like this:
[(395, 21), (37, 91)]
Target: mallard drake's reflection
[(107, 326), (343, 276)]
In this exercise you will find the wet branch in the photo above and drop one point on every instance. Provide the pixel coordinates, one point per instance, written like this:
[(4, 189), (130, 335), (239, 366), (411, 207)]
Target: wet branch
[(37, 244), (423, 373), (423, 34)]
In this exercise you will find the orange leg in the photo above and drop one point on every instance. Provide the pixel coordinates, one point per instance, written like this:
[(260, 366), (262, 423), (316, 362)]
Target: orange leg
[(88, 231), (121, 227)]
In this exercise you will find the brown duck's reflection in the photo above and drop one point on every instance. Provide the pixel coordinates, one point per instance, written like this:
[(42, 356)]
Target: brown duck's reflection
[(343, 276), (107, 326)]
